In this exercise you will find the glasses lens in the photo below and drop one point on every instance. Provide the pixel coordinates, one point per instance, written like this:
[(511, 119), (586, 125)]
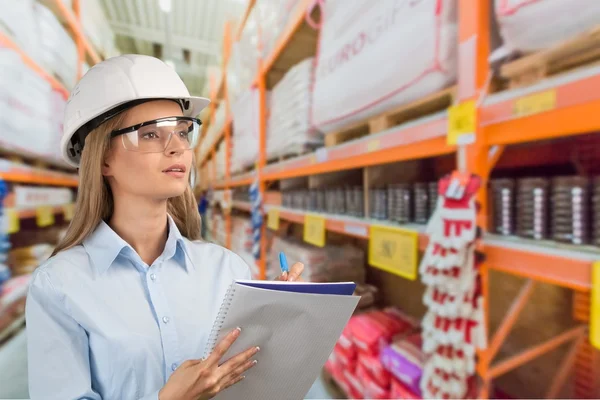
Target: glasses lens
[(155, 138)]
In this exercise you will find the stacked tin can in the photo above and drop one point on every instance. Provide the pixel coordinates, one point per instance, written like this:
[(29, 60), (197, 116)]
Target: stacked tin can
[(532, 208), (421, 202), (596, 212), (321, 200), (378, 203), (433, 196), (503, 196), (354, 201), (570, 209), (400, 202)]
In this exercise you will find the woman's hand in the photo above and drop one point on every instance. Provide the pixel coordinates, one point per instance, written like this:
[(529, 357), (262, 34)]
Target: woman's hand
[(293, 275), (204, 379)]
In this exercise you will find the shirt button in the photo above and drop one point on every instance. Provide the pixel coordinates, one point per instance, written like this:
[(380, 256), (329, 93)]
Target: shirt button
[(165, 320), (153, 277), (173, 367)]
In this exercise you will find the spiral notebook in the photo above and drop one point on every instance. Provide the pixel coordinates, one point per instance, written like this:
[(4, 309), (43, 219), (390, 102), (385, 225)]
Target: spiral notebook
[(296, 326)]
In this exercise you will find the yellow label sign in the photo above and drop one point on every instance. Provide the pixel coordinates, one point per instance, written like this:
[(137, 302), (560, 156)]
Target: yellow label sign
[(13, 221), (535, 103), (314, 230), (373, 145), (44, 216), (273, 219), (462, 120), (394, 250), (595, 306), (68, 210)]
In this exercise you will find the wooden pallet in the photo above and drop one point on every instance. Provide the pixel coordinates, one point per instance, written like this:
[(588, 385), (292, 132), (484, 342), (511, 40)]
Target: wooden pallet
[(581, 50), (435, 102), (284, 157)]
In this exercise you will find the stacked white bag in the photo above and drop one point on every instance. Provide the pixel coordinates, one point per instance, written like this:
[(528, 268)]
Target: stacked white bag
[(220, 162), (242, 66), (288, 129), (380, 54), (529, 25), (245, 111), (58, 52), (215, 127), (29, 109), (275, 15)]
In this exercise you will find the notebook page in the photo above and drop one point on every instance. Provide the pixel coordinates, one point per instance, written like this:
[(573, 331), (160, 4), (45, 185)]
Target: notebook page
[(296, 333)]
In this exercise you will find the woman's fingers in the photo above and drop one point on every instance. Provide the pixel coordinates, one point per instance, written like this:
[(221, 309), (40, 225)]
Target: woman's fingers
[(295, 272), (236, 361), (222, 347), (233, 381)]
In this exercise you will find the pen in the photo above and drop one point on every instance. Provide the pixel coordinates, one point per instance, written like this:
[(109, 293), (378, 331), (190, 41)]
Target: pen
[(283, 263)]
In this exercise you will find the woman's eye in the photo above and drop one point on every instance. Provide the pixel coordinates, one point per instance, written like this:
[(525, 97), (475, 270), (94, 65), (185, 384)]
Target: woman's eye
[(150, 135), (183, 134)]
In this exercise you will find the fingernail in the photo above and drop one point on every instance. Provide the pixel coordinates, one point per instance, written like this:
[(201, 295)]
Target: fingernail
[(255, 362), (257, 349), (237, 331), (243, 376), (291, 278)]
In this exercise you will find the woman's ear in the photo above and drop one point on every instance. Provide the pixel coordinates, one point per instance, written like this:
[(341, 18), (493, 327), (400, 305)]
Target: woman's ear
[(106, 169)]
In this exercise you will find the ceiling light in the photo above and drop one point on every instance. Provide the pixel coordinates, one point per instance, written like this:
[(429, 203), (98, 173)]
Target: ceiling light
[(165, 5)]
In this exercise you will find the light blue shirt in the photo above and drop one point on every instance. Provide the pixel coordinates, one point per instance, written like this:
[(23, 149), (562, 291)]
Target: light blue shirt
[(101, 324)]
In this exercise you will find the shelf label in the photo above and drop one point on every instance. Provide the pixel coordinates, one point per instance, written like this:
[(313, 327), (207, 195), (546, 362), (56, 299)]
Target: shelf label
[(68, 210), (314, 230), (462, 120), (273, 219), (44, 216), (358, 230), (595, 306), (535, 103), (12, 221), (394, 250), (373, 145)]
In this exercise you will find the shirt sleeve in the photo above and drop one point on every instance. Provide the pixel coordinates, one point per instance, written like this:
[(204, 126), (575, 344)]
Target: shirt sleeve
[(58, 350)]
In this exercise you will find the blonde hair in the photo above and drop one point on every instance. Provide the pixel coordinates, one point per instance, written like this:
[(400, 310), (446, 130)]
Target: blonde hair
[(95, 202)]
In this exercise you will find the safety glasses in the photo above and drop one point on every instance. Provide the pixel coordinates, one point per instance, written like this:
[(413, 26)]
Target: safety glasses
[(156, 135)]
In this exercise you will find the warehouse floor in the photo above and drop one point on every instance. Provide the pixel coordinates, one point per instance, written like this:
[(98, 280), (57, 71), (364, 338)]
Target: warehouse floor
[(13, 371)]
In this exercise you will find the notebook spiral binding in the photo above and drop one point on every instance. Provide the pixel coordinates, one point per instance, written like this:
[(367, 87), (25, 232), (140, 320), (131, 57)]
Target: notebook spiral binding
[(219, 321)]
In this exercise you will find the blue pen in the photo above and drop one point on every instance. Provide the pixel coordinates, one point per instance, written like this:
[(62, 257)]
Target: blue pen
[(283, 263)]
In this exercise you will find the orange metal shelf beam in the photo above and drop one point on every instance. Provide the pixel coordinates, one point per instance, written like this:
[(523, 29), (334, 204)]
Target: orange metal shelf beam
[(294, 23), (38, 178), (561, 267), (74, 24), (6, 41), (245, 16), (575, 110), (353, 227), (31, 213), (426, 138)]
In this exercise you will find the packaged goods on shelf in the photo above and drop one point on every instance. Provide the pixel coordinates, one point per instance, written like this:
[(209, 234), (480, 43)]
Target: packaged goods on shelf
[(241, 240), (97, 28), (520, 28), (275, 15), (245, 111), (219, 229), (57, 50), (24, 260), (30, 109), (358, 43), (242, 66), (404, 359), (356, 363), (220, 162), (18, 20), (328, 264), (288, 128), (12, 299)]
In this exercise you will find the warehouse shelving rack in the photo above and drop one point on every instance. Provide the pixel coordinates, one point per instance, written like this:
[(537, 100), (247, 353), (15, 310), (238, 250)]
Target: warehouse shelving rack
[(499, 124), (18, 173)]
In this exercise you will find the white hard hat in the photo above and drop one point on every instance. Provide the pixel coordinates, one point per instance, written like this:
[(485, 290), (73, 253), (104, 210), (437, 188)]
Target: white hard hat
[(114, 85)]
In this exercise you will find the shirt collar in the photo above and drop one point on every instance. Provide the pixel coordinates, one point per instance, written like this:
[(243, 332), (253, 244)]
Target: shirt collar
[(104, 245)]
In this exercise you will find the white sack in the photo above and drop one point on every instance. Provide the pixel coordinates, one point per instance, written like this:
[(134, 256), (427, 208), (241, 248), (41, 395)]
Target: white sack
[(529, 25), (380, 54)]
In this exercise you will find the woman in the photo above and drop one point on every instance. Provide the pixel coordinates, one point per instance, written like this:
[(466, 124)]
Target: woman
[(125, 306)]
